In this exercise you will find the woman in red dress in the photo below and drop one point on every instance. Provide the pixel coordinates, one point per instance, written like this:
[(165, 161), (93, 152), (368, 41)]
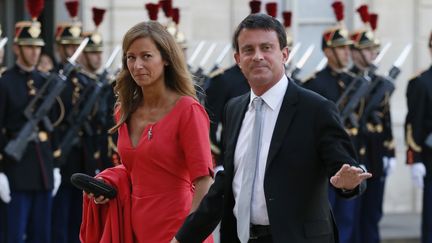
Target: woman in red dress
[(163, 134)]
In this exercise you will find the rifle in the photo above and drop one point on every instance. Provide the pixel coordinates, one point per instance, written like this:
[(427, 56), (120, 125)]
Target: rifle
[(351, 97), (360, 87), (77, 120), (385, 85), (3, 42), (301, 62), (17, 146)]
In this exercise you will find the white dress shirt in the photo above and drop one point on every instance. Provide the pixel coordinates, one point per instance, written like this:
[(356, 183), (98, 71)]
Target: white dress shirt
[(271, 107)]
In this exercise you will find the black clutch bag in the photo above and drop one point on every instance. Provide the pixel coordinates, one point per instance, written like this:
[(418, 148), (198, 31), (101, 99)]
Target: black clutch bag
[(92, 185)]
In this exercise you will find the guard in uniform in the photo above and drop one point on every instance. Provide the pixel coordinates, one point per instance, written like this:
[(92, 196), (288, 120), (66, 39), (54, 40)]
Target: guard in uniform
[(4, 192), (31, 179), (102, 115), (418, 129), (331, 83), (67, 208), (376, 131)]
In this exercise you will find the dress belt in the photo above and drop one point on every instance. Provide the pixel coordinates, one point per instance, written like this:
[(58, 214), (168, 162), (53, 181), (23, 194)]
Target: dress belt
[(257, 231)]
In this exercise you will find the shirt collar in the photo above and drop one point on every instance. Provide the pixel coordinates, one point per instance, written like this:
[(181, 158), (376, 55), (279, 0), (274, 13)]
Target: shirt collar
[(274, 96)]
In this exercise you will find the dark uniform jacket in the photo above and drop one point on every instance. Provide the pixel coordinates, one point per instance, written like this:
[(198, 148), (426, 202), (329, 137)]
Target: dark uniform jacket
[(101, 120), (81, 157), (309, 145), (331, 85), (34, 172), (223, 87), (376, 129), (418, 123)]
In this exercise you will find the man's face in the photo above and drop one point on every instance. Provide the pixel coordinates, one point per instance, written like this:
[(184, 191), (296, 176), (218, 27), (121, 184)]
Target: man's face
[(362, 58), (66, 51), (260, 58), (93, 60), (28, 56), (338, 57)]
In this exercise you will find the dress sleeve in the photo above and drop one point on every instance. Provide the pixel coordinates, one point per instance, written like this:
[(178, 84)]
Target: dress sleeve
[(195, 142)]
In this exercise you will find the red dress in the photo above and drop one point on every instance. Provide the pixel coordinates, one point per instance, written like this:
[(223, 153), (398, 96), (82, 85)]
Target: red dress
[(170, 154)]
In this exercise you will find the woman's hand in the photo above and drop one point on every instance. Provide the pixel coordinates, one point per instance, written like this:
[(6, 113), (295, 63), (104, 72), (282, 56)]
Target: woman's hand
[(98, 200)]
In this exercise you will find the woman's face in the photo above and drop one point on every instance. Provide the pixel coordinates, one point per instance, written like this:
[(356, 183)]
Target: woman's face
[(145, 62)]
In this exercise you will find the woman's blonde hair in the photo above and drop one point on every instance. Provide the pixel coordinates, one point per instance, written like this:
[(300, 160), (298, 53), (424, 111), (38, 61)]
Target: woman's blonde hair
[(177, 75)]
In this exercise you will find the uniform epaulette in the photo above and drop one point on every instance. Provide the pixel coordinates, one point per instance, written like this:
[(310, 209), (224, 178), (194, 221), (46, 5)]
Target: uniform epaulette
[(216, 72)]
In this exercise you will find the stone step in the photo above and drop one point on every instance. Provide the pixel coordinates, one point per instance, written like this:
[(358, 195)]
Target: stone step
[(400, 228)]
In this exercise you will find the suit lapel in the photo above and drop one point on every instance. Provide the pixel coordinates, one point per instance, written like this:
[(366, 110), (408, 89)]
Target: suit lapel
[(286, 114)]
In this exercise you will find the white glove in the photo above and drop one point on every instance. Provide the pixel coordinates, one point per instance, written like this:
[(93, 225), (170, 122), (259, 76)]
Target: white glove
[(418, 171), (57, 180), (5, 194), (389, 164)]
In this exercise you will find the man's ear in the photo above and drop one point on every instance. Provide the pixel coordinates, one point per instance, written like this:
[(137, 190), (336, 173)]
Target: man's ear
[(237, 58), (285, 54)]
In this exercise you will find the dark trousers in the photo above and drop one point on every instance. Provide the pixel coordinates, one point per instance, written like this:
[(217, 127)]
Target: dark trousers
[(264, 239), (426, 227), (29, 217), (371, 211), (67, 214), (3, 222), (346, 216)]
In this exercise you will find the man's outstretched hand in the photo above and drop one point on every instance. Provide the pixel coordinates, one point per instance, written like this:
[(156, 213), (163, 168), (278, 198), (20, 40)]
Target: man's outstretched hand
[(349, 177)]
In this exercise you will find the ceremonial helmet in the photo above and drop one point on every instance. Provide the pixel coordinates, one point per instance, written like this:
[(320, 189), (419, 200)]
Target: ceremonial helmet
[(28, 33), (336, 36), (287, 23), (70, 32), (365, 37), (179, 35), (95, 43)]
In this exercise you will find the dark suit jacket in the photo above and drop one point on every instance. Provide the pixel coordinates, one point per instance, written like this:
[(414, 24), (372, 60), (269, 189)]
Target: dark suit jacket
[(309, 145)]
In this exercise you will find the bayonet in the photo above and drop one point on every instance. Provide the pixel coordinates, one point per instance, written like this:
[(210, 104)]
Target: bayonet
[(301, 62), (395, 69), (292, 53), (207, 56), (195, 53), (3, 42), (321, 64)]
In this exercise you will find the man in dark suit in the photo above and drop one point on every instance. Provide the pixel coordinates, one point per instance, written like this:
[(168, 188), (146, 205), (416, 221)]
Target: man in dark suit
[(302, 145)]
